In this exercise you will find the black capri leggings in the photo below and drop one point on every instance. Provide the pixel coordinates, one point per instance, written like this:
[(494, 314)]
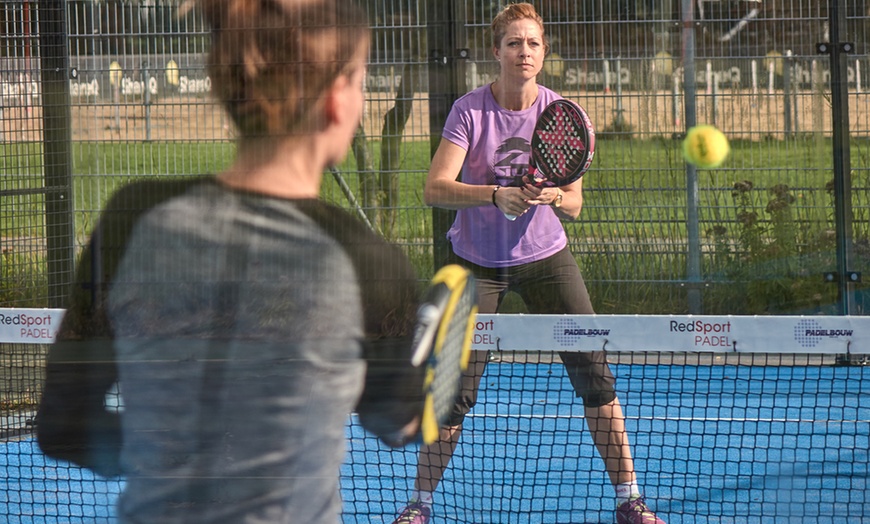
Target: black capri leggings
[(552, 286)]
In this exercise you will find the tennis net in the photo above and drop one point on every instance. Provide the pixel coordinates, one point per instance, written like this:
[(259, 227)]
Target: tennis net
[(730, 419)]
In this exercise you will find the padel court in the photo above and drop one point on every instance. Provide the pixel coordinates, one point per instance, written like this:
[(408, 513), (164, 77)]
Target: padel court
[(782, 437)]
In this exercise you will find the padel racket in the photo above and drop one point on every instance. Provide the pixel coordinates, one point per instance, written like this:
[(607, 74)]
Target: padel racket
[(442, 342), (563, 144)]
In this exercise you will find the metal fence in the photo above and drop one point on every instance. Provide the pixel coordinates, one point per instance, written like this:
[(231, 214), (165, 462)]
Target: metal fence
[(94, 94)]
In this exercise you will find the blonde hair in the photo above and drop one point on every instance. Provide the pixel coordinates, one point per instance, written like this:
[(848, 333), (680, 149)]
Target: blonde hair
[(272, 60), (510, 14)]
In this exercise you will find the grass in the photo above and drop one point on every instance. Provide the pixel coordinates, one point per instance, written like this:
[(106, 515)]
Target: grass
[(23, 281), (631, 238)]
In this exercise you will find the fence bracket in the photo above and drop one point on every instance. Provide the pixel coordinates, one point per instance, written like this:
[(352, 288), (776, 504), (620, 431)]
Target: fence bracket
[(824, 48), (439, 57), (851, 276)]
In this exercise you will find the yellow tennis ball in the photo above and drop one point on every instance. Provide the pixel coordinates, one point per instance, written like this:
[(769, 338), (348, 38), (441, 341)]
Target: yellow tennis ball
[(705, 146)]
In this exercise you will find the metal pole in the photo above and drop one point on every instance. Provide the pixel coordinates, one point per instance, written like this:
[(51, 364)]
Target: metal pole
[(839, 49), (146, 99), (57, 144), (693, 253), (786, 93), (447, 82), (351, 199)]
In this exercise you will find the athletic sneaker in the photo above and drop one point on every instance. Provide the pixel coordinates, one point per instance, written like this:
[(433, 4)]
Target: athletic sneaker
[(414, 513), (635, 511)]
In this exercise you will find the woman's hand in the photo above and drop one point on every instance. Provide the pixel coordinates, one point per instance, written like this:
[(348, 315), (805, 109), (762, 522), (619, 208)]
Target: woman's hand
[(566, 201), (511, 200), (542, 196)]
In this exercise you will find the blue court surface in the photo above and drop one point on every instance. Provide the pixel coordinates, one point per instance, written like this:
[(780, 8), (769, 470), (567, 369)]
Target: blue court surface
[(712, 444)]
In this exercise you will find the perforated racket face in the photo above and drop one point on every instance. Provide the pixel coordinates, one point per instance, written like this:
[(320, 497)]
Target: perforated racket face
[(455, 296), (563, 144), (453, 352)]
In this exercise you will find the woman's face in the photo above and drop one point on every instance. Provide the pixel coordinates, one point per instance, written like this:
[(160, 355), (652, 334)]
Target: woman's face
[(522, 50), (352, 100), (356, 91)]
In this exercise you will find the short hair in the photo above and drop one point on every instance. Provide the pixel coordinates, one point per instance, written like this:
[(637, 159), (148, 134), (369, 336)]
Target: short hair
[(272, 60), (511, 13)]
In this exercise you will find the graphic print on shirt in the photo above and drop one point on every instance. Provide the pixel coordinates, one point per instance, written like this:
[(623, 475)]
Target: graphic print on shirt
[(510, 161)]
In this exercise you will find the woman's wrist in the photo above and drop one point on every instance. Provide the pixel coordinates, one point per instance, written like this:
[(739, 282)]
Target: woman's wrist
[(494, 191)]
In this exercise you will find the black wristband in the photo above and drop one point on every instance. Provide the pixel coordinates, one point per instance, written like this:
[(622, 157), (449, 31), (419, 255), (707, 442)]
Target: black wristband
[(494, 191)]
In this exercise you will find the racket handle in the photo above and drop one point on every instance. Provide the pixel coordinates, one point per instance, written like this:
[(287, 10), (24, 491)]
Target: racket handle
[(509, 216), (427, 323)]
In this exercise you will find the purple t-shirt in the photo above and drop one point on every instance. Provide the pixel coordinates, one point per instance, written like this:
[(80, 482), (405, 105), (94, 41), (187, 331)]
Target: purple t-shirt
[(498, 142)]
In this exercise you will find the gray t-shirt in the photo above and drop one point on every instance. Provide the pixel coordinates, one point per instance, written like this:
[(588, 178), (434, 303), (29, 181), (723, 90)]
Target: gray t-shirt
[(238, 331)]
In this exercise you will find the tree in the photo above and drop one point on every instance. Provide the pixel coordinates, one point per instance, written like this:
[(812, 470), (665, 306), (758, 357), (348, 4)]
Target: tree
[(397, 39)]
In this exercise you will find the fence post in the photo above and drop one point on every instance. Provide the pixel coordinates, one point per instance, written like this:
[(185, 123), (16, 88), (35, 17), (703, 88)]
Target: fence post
[(146, 99), (676, 102), (838, 49), (693, 253), (57, 154), (446, 83), (693, 240), (786, 93), (618, 113), (714, 98)]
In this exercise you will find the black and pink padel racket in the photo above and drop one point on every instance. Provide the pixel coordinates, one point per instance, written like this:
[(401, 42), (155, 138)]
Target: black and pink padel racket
[(563, 145)]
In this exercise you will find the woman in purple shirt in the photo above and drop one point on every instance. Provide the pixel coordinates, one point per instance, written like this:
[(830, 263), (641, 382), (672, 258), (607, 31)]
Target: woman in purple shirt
[(486, 143)]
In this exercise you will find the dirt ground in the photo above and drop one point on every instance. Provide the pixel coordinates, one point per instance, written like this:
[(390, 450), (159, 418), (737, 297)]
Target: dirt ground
[(740, 113)]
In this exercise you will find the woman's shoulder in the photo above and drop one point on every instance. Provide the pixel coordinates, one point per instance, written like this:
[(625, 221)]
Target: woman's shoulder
[(338, 223), (473, 98), (547, 95)]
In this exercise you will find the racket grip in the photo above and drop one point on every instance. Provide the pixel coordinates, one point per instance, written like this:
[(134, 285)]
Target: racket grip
[(428, 316), (509, 216)]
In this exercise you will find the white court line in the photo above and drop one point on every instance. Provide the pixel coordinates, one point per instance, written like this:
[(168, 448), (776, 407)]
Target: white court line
[(680, 419)]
